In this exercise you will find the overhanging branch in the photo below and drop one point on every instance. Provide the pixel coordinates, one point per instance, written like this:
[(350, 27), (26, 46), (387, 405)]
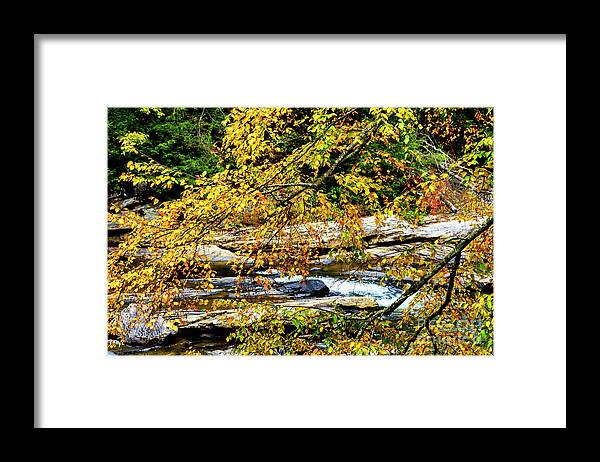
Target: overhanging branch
[(439, 311), (414, 288), (418, 285)]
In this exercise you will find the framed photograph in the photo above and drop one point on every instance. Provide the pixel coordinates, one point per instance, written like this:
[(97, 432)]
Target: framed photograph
[(300, 231), (342, 222)]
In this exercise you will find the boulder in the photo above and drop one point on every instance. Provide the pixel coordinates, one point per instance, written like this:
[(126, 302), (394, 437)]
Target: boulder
[(216, 254), (304, 288), (131, 202), (149, 212), (140, 326)]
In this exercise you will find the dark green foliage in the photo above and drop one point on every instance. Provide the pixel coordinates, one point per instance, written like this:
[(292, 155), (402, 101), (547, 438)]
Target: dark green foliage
[(188, 140), (182, 138)]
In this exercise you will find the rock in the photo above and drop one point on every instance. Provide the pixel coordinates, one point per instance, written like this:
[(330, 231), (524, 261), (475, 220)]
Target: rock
[(115, 229), (307, 287), (140, 326), (418, 248), (268, 272), (367, 274), (224, 282), (325, 260), (343, 302), (394, 229), (248, 287), (226, 318), (390, 230), (216, 254), (211, 252), (131, 202), (149, 212), (486, 284), (190, 294), (209, 319)]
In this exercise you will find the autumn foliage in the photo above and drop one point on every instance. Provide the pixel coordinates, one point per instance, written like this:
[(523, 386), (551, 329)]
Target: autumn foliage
[(282, 171)]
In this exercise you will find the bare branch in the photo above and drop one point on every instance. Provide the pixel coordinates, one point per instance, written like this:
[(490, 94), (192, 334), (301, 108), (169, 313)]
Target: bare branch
[(418, 285), (277, 186), (437, 268), (438, 311)]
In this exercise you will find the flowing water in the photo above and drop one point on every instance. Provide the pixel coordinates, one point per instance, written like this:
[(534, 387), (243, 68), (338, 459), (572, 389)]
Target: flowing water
[(339, 282)]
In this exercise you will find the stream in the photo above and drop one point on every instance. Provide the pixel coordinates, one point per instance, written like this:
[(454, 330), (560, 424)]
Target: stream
[(213, 342), (327, 279)]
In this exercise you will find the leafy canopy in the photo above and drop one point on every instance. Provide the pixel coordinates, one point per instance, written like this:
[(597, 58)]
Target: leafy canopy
[(278, 178)]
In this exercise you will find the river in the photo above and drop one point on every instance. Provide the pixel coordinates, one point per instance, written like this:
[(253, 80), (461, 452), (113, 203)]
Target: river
[(213, 342)]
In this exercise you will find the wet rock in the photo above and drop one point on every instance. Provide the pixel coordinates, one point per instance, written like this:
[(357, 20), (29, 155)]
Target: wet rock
[(149, 212), (439, 252), (227, 318), (343, 302), (325, 260), (249, 287), (268, 272), (131, 202), (211, 319), (140, 326), (307, 287), (115, 229), (367, 274)]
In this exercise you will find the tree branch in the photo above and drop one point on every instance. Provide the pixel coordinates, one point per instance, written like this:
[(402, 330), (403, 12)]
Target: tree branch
[(414, 288), (418, 285), (439, 310), (360, 141), (277, 186)]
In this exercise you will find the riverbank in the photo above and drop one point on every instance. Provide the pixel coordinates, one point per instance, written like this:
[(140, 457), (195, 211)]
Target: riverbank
[(197, 327)]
